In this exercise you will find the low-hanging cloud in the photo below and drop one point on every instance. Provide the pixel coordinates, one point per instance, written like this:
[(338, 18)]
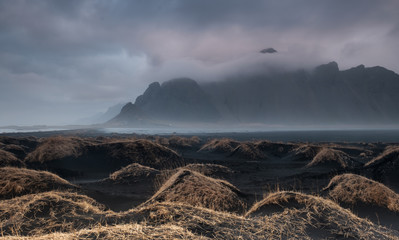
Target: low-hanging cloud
[(61, 60)]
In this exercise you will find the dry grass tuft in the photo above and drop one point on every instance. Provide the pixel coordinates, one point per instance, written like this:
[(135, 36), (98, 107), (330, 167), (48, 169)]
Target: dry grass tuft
[(20, 181), (210, 170), (306, 152), (80, 156), (261, 150), (313, 222), (208, 223), (195, 189), (48, 212), (177, 142), (248, 151), (54, 148), (390, 155), (354, 189), (168, 220), (133, 173), (224, 146), (244, 150), (8, 159), (144, 152), (331, 158), (315, 217), (122, 231), (26, 142), (18, 150)]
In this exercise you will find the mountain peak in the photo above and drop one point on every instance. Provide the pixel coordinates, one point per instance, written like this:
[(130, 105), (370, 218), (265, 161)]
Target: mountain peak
[(268, 50), (329, 70), (180, 99), (325, 95)]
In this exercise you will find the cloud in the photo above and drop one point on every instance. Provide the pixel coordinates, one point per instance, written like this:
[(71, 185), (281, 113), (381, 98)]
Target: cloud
[(87, 55)]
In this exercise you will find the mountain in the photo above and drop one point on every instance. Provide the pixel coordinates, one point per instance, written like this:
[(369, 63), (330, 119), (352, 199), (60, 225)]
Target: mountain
[(177, 100), (268, 50), (322, 96)]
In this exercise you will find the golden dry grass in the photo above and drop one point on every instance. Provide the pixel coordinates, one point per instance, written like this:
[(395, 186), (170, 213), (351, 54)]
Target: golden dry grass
[(20, 181), (390, 154), (244, 150), (133, 173), (26, 142), (331, 158), (18, 150), (315, 217), (121, 232), (210, 170), (306, 151), (354, 189), (144, 152), (189, 205), (169, 220), (248, 151), (313, 222), (48, 212), (261, 150), (9, 159), (204, 222), (224, 145), (177, 142), (195, 189), (113, 153), (54, 148)]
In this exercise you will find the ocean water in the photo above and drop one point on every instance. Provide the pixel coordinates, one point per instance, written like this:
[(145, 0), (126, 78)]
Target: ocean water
[(242, 134), (22, 130), (362, 135)]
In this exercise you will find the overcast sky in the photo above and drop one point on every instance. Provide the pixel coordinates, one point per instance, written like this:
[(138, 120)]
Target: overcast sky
[(64, 60)]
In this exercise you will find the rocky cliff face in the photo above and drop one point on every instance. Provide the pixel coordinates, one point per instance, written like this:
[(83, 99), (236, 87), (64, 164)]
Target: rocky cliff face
[(322, 96), (177, 100)]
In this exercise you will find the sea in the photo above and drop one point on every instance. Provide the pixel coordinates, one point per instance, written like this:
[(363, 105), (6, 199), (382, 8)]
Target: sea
[(242, 134)]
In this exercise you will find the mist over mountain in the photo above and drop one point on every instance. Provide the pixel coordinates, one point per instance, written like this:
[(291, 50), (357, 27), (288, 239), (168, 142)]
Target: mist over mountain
[(322, 96), (101, 117)]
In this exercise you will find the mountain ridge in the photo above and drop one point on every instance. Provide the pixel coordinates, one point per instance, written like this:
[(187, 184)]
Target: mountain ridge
[(324, 95)]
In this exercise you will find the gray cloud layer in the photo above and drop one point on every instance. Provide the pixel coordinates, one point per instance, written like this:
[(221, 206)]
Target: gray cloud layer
[(62, 60)]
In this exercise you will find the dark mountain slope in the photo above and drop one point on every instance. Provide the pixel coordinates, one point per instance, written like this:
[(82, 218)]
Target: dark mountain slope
[(181, 100), (323, 96)]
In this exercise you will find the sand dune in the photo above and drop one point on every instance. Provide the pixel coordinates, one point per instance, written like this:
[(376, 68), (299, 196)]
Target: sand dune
[(333, 159), (195, 189), (8, 159), (48, 212), (211, 170), (54, 148), (315, 216), (132, 173), (223, 146), (355, 189), (20, 181), (150, 191)]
